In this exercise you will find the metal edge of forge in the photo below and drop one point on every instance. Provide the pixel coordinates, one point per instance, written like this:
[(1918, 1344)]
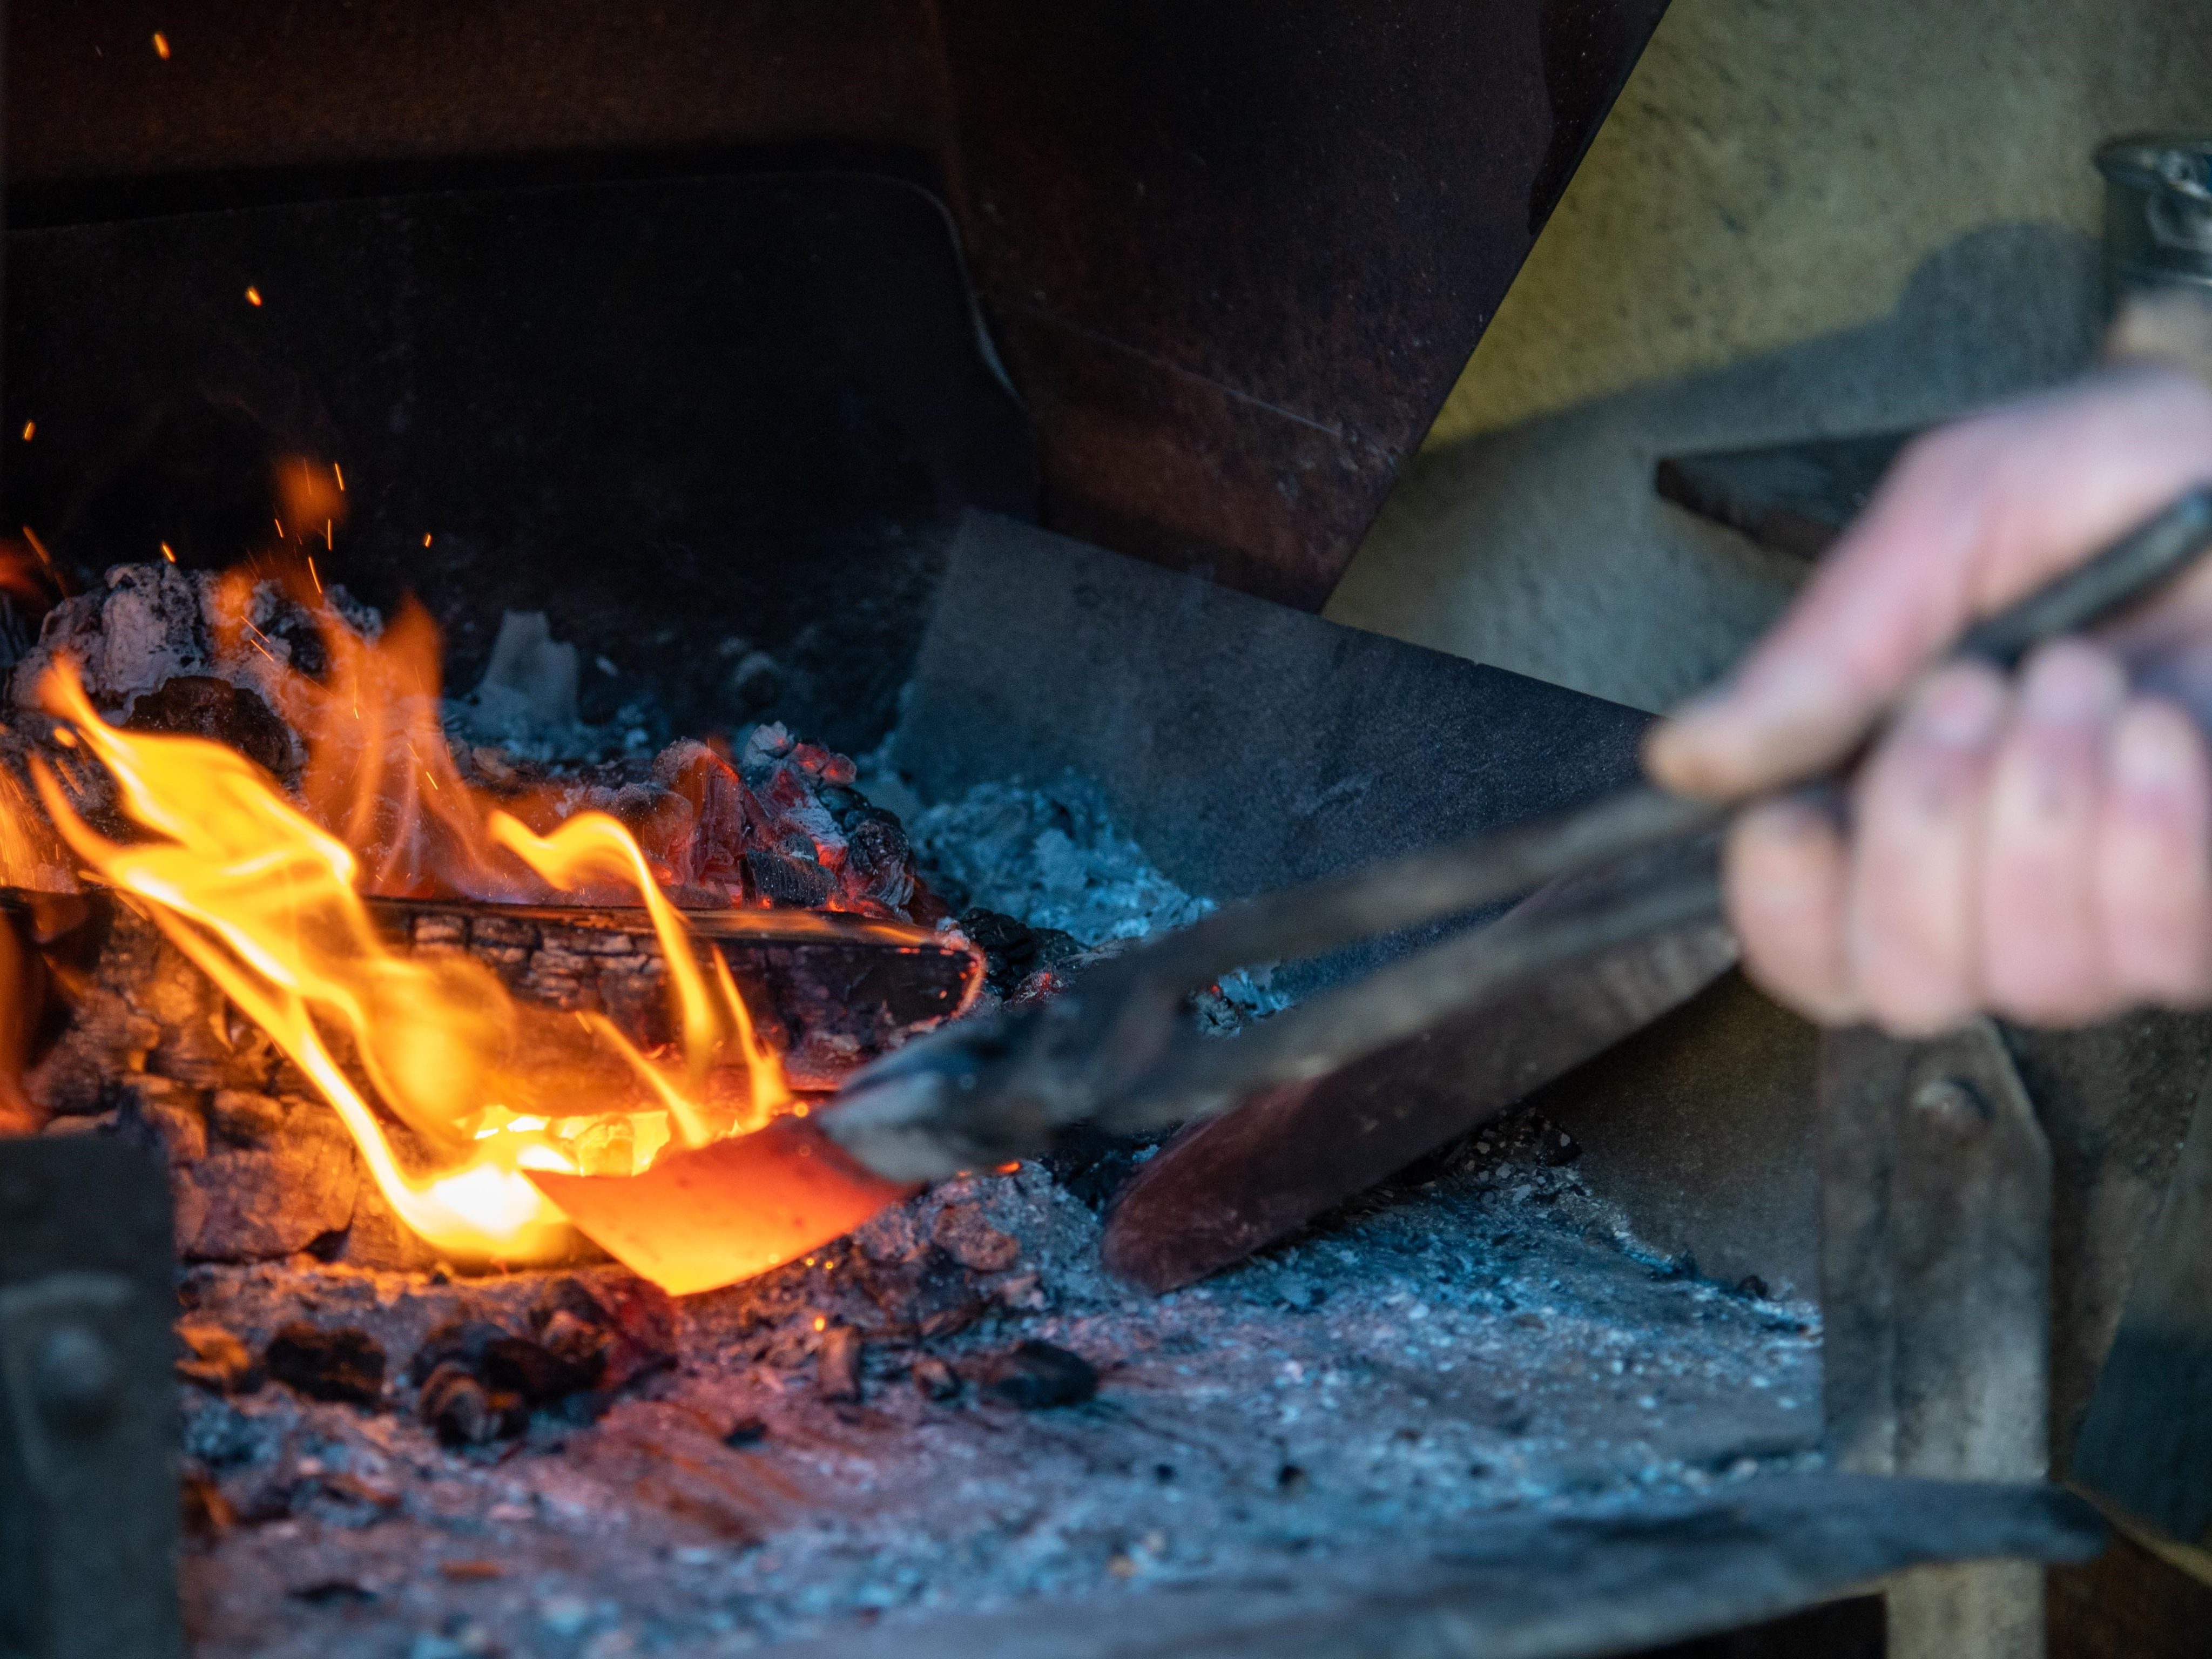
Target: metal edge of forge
[(1533, 1586)]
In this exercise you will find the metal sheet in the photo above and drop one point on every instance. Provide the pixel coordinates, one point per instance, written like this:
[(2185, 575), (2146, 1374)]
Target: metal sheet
[(1533, 1586), (87, 1403), (1236, 254)]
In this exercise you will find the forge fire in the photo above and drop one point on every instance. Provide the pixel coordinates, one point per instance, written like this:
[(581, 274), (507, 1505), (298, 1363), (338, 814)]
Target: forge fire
[(273, 760)]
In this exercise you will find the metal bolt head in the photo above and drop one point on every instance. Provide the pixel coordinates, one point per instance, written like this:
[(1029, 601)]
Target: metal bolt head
[(74, 1378), (1953, 1104)]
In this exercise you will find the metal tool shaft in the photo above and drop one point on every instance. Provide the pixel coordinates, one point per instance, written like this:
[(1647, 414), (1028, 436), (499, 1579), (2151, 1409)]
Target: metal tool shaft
[(1115, 1048)]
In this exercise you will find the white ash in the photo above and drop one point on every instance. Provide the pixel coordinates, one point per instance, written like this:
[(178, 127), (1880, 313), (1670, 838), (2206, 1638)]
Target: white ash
[(1480, 1342), (1050, 859), (524, 708), (148, 623)]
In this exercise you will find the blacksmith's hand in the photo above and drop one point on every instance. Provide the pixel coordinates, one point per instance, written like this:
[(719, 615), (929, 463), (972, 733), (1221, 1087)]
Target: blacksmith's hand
[(2037, 846)]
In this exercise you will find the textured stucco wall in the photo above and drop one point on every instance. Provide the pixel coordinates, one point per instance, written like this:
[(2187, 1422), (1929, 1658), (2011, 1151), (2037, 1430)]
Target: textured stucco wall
[(1799, 218)]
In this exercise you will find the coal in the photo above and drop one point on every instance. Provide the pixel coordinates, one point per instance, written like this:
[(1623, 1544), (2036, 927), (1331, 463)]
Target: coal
[(202, 706), (935, 1380), (464, 1413), (205, 1514), (837, 1366), (516, 1364), (1013, 952), (216, 1360), (794, 878), (579, 1346), (460, 1342), (961, 1233), (479, 1380), (341, 1363), (635, 1323), (164, 1115), (1037, 1375)]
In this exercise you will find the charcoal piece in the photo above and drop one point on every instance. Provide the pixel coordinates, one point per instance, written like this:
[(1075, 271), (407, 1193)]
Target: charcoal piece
[(926, 1290), (1013, 952), (515, 1364), (580, 1347), (1090, 1163), (203, 1511), (245, 1119), (935, 1380), (200, 706), (460, 1342), (962, 1234), (844, 802), (254, 1203), (784, 879), (159, 1113), (747, 1431), (876, 841), (465, 1413), (216, 1360), (636, 1321), (342, 1363), (755, 682), (837, 1366), (1036, 1375)]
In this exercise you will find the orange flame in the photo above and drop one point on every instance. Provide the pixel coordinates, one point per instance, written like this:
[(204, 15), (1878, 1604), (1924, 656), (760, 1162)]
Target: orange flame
[(267, 902)]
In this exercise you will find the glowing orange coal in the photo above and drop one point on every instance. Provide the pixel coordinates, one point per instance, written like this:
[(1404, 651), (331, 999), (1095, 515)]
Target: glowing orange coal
[(501, 1101)]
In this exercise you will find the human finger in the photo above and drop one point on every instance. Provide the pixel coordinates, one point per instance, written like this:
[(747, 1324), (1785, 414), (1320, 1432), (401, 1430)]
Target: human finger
[(2043, 946), (1913, 919), (2153, 862), (1970, 518), (1785, 881)]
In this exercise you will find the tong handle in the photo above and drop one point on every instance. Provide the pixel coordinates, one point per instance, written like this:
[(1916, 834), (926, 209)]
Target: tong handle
[(1442, 881)]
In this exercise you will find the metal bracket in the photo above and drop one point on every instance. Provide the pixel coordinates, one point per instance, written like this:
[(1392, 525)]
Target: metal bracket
[(1936, 1278), (88, 1405), (2146, 1443)]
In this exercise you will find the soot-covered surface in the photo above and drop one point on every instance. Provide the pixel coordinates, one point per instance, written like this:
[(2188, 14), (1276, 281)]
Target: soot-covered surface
[(1486, 1341)]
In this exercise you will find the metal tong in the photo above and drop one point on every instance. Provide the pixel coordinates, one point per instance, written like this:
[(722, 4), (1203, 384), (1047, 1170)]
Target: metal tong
[(1117, 1050)]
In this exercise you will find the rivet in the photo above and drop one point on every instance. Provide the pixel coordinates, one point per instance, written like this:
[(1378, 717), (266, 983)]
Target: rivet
[(1953, 1104), (75, 1379)]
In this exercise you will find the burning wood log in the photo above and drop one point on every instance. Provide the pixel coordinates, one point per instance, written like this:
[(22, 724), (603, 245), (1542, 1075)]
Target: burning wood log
[(267, 778), (119, 1033)]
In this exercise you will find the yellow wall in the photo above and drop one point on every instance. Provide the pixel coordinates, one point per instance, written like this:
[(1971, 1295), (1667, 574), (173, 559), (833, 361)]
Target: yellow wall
[(1775, 169)]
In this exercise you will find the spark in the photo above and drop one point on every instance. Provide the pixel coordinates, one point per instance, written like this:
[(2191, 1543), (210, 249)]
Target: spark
[(426, 539), (44, 557), (160, 45), (427, 779), (30, 428), (820, 1323), (313, 574), (168, 553), (279, 523), (65, 737), (253, 297), (339, 472)]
